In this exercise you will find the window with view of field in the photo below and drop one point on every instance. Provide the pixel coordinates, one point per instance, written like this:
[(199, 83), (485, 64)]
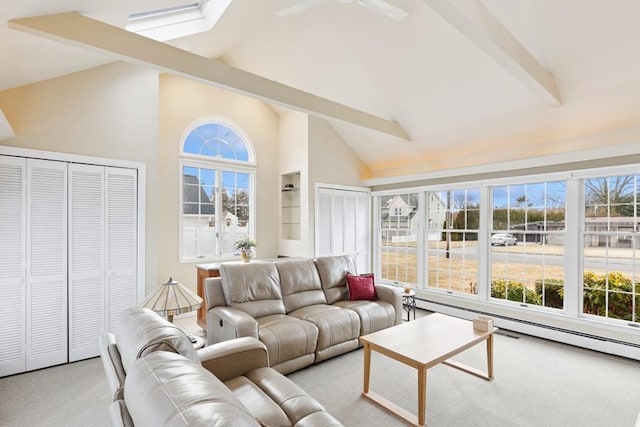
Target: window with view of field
[(451, 237), (611, 271), (507, 242), (397, 238), (530, 268)]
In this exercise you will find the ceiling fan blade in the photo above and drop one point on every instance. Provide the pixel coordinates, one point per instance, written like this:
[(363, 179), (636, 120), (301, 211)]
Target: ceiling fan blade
[(385, 7), (300, 6)]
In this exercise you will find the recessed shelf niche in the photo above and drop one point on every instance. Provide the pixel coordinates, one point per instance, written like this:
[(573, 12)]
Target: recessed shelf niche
[(290, 206)]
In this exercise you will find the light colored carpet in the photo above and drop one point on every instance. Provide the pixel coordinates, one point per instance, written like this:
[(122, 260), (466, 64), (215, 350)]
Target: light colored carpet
[(537, 383), (72, 395)]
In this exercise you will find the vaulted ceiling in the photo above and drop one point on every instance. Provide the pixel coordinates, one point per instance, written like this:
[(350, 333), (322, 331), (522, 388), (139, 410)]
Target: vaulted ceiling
[(470, 82)]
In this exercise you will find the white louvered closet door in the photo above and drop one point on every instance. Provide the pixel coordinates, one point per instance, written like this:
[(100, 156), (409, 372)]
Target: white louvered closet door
[(323, 221), (86, 260), (121, 239), (342, 224), (46, 284), (12, 265)]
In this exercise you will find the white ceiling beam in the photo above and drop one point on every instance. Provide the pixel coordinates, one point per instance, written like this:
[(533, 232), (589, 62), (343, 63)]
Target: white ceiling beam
[(78, 30), (473, 20)]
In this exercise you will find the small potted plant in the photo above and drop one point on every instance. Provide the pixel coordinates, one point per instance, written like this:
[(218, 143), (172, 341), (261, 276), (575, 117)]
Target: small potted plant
[(245, 246)]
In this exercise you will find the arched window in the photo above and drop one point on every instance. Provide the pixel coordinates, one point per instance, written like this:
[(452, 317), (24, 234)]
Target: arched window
[(217, 197)]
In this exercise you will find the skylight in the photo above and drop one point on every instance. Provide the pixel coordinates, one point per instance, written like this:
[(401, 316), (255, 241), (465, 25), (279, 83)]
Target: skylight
[(178, 21)]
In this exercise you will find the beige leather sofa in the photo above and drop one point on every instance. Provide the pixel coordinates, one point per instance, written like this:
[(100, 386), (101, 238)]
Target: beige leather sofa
[(297, 307), (158, 379)]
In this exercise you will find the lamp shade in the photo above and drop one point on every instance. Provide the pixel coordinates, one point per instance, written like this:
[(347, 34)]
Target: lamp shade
[(172, 298)]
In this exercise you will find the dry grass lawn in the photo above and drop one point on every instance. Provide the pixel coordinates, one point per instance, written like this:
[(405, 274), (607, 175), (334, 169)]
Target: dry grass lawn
[(458, 273)]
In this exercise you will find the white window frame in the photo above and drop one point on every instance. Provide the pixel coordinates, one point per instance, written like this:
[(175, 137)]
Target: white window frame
[(580, 179), (220, 165), (573, 257), (424, 244)]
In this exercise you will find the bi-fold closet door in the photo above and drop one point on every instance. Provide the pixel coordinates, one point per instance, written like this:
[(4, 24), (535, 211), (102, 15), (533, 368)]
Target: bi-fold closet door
[(102, 252), (33, 269), (68, 258), (342, 224)]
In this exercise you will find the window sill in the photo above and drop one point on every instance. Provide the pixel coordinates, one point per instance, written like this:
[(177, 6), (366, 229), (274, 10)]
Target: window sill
[(534, 322)]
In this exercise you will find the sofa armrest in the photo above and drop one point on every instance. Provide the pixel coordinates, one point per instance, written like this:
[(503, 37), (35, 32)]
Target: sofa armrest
[(392, 295), (213, 293), (119, 415), (233, 358), (112, 364), (226, 323)]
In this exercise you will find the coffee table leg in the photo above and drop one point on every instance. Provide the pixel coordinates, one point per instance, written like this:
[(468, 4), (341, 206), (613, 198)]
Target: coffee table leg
[(422, 395), (490, 356), (367, 367)]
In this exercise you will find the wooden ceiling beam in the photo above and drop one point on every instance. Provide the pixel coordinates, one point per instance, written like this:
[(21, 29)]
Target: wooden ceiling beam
[(475, 21), (78, 30)]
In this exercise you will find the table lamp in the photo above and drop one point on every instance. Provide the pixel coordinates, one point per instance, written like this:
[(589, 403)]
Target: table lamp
[(172, 298)]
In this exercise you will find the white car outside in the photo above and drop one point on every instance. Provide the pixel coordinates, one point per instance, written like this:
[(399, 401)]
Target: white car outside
[(503, 239)]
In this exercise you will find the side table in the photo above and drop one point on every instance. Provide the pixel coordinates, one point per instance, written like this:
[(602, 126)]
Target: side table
[(409, 303)]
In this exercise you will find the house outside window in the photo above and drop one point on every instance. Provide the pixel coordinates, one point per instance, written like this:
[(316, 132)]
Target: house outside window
[(451, 240), (398, 235), (217, 197), (611, 239)]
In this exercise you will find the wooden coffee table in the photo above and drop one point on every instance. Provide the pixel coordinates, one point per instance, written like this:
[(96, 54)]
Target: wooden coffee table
[(422, 344)]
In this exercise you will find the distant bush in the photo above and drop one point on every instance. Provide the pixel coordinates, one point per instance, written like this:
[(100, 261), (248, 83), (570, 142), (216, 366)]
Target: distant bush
[(617, 287), (513, 291), (553, 295)]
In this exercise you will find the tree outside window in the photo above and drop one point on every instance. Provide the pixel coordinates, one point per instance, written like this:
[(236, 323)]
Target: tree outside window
[(217, 192), (611, 274)]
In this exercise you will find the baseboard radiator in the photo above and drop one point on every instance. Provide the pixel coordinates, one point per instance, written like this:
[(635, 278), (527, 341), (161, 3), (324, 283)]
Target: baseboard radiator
[(566, 336)]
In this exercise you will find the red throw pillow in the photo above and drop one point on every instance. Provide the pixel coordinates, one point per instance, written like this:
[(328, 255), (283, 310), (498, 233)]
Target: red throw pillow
[(361, 287)]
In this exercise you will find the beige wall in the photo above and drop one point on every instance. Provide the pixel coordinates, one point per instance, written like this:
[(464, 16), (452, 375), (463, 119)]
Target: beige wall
[(126, 112), (107, 112), (293, 139), (182, 102)]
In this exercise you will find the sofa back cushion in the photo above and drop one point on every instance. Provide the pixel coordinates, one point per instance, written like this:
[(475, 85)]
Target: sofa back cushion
[(252, 287), (167, 389), (333, 275), (140, 331), (300, 283)]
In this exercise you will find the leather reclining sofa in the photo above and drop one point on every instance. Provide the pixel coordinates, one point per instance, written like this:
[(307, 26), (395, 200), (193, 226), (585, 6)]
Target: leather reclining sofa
[(298, 307), (158, 379)]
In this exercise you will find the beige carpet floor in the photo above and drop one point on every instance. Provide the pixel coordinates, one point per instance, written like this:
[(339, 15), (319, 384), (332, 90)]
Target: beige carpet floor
[(537, 383)]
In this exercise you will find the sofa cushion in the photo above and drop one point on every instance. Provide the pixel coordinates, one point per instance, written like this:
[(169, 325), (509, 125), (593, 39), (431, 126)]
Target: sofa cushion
[(262, 407), (335, 325), (140, 331), (374, 315), (252, 287), (287, 337), (361, 287), (167, 389), (276, 401), (300, 283), (333, 275)]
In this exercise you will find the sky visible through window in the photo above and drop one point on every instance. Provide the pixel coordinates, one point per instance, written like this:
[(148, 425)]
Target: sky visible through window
[(217, 141), (550, 194)]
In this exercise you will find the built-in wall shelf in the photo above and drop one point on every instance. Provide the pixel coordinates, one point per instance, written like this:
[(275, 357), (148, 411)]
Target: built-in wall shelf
[(290, 206)]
